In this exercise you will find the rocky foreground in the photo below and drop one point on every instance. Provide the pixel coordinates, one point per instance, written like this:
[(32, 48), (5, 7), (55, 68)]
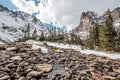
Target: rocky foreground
[(21, 62)]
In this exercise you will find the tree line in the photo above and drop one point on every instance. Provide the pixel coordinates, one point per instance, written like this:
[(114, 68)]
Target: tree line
[(100, 37), (55, 35)]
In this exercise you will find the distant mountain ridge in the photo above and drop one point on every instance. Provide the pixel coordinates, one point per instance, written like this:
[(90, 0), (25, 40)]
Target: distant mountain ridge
[(13, 23), (90, 18)]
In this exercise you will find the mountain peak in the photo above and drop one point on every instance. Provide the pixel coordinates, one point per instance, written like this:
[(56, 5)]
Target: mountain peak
[(88, 14), (90, 18), (13, 24), (2, 8), (117, 9)]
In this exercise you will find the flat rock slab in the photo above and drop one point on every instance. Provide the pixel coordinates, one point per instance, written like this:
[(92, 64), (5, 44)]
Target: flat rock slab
[(34, 74), (4, 77), (12, 49), (16, 58), (44, 67)]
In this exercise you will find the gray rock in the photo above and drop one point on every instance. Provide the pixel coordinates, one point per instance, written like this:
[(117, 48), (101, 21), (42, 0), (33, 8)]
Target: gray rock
[(44, 67), (22, 78), (12, 49), (34, 74), (16, 58), (118, 76), (5, 77)]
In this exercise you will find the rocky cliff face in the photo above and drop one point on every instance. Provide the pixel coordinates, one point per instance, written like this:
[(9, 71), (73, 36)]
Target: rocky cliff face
[(87, 19), (13, 23), (116, 17), (90, 18)]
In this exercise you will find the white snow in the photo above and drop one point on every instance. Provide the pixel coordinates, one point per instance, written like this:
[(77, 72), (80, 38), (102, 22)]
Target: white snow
[(7, 37), (64, 46), (116, 24), (83, 35), (113, 56), (1, 43), (37, 44), (58, 45), (78, 48), (12, 24), (34, 42), (43, 49)]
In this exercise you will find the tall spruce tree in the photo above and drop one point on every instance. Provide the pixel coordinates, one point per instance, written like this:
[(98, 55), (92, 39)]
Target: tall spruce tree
[(96, 35), (93, 37), (42, 37), (28, 30), (107, 35), (34, 34), (117, 45), (90, 39)]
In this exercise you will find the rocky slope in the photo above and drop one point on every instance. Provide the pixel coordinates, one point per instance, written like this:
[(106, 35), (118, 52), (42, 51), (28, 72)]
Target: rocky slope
[(21, 62), (90, 18), (13, 23)]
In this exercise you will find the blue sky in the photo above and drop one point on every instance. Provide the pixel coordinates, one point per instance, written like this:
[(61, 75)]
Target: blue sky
[(8, 4)]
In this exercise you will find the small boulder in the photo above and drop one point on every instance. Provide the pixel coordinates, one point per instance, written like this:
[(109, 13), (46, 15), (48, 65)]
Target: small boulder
[(24, 55), (23, 50), (44, 67), (12, 49), (18, 58), (34, 74), (22, 78), (5, 78)]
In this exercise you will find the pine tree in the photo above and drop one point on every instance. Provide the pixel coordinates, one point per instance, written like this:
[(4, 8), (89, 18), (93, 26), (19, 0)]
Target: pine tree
[(96, 35), (78, 40), (42, 37), (107, 35), (93, 37), (90, 39), (28, 30), (34, 34), (117, 45), (72, 39)]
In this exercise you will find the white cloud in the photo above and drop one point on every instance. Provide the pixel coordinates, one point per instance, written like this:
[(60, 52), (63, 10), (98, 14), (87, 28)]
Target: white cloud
[(65, 12), (25, 6)]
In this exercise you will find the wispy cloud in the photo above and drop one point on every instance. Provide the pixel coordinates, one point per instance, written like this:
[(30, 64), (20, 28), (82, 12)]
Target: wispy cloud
[(64, 12), (26, 6)]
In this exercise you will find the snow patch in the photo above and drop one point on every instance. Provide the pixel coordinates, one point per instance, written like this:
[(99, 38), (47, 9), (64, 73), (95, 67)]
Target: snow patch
[(36, 45), (116, 24), (1, 43), (113, 56), (43, 49), (64, 46)]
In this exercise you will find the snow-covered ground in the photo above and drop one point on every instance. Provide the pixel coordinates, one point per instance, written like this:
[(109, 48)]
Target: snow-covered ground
[(1, 43), (37, 44), (113, 56), (43, 49), (14, 24)]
